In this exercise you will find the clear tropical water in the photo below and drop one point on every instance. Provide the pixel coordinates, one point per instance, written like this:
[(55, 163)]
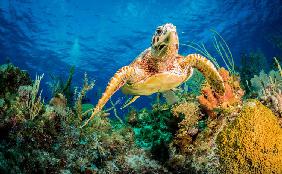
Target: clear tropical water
[(185, 131)]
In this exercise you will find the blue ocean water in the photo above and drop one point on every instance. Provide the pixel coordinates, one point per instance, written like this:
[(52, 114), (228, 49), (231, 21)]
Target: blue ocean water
[(99, 37)]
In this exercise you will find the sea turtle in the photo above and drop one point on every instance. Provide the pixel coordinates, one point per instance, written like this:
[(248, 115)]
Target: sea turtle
[(158, 69)]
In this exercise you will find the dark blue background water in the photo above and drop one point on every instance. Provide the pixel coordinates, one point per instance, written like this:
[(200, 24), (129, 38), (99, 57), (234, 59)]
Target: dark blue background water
[(99, 37)]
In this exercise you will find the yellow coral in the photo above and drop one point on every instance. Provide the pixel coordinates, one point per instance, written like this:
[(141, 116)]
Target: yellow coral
[(252, 143)]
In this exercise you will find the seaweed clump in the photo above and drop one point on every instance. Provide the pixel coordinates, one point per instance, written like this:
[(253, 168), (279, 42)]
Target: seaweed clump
[(252, 143)]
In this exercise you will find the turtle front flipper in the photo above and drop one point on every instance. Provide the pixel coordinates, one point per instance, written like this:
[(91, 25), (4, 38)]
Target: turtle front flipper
[(207, 69), (116, 82)]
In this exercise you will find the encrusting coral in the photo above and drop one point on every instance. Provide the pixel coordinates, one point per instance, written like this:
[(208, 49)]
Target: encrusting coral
[(210, 100), (252, 143)]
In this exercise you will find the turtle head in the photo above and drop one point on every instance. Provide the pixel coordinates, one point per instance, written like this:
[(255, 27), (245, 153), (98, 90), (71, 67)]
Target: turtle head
[(165, 41)]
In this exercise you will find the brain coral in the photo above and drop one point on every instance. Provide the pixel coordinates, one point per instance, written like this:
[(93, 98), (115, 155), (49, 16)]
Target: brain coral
[(252, 143)]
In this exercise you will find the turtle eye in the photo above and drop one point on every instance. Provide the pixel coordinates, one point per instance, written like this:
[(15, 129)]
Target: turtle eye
[(158, 31)]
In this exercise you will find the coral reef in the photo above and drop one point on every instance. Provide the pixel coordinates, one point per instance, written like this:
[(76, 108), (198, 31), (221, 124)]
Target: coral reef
[(47, 138), (210, 100), (252, 143), (246, 143), (11, 78), (209, 134)]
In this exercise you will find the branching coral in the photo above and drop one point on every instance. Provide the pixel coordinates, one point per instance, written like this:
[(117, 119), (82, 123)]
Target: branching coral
[(210, 100), (252, 143)]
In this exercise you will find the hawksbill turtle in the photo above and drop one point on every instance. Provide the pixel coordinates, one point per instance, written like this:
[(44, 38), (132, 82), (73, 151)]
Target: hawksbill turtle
[(159, 69)]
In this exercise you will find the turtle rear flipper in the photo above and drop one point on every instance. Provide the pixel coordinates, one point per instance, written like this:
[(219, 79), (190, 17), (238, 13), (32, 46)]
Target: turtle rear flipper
[(207, 69)]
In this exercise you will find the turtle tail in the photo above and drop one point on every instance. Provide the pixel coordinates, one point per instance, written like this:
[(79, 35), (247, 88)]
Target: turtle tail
[(116, 82), (207, 69)]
